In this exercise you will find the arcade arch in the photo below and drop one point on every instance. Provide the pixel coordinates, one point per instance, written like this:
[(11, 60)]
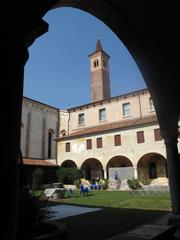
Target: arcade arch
[(92, 169), (118, 161), (68, 164), (150, 166)]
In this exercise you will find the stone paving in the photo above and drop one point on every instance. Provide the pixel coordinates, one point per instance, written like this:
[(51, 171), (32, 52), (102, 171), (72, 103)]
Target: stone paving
[(147, 232), (64, 211), (141, 232), (159, 229)]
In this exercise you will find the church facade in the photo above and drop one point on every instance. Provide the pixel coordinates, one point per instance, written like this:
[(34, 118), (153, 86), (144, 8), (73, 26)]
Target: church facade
[(109, 132), (39, 126)]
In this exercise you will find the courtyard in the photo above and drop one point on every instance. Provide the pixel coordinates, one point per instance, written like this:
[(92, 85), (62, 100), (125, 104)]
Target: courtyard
[(118, 211)]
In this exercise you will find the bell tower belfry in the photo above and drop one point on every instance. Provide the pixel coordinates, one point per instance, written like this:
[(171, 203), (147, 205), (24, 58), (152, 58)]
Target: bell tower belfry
[(99, 68)]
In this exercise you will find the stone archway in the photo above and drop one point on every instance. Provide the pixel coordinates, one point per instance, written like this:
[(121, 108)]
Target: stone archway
[(118, 161), (151, 166), (92, 169), (68, 164)]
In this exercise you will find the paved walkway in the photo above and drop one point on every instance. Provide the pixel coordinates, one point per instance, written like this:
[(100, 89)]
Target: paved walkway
[(64, 211)]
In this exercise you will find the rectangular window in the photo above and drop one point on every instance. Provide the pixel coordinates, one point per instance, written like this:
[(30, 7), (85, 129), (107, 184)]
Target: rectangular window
[(68, 147), (81, 119), (151, 105), (126, 109), (140, 137), (157, 135), (102, 114), (117, 140), (99, 142), (89, 144)]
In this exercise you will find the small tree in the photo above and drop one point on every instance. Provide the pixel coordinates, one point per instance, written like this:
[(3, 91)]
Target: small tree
[(68, 175), (37, 179), (133, 183)]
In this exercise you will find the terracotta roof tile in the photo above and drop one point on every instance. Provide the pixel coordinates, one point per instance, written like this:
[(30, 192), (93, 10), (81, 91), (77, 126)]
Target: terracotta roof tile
[(37, 162), (112, 126)]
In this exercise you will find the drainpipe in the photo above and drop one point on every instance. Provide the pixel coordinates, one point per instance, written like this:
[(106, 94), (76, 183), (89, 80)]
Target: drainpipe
[(140, 109), (57, 133), (68, 120)]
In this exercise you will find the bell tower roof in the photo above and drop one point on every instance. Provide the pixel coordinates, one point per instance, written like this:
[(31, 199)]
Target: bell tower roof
[(98, 49), (98, 46)]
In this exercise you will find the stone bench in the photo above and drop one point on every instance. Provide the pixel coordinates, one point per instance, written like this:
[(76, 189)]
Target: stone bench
[(55, 193), (147, 232)]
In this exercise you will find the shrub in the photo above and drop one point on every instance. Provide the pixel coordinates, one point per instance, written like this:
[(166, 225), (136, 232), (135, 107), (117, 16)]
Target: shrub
[(104, 183), (37, 179), (68, 175), (133, 183), (77, 182), (32, 210)]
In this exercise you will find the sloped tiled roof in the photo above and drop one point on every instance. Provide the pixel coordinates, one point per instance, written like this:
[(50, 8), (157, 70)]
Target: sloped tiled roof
[(112, 126), (38, 162)]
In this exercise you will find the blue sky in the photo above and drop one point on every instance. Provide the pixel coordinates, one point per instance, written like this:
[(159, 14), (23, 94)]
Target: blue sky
[(58, 73)]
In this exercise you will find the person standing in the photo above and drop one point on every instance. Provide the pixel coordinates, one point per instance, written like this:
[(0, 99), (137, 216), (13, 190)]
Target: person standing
[(116, 175)]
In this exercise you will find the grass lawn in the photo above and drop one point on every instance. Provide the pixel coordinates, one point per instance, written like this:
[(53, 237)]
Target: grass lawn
[(120, 211)]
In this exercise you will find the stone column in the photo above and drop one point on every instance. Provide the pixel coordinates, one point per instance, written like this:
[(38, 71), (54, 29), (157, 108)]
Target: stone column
[(173, 166), (105, 173), (28, 134), (43, 148), (12, 86), (135, 173)]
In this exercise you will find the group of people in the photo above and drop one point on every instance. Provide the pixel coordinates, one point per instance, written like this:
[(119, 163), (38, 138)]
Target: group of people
[(87, 187)]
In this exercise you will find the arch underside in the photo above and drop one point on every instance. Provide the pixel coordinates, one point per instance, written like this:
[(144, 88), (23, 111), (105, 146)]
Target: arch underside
[(150, 166), (92, 169)]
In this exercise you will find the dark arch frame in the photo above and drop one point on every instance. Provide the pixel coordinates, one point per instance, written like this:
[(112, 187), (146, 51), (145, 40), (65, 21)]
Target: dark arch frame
[(150, 50)]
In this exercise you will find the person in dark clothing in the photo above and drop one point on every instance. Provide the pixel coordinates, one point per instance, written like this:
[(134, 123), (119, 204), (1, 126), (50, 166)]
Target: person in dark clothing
[(116, 175)]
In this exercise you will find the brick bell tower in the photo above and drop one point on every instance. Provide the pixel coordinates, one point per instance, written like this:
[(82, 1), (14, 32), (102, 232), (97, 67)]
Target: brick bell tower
[(99, 67)]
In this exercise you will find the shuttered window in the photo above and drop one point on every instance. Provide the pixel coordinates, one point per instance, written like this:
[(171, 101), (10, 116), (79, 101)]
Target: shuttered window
[(81, 119), (117, 140), (157, 135), (68, 147), (99, 142), (102, 114), (140, 137), (126, 109), (89, 143)]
